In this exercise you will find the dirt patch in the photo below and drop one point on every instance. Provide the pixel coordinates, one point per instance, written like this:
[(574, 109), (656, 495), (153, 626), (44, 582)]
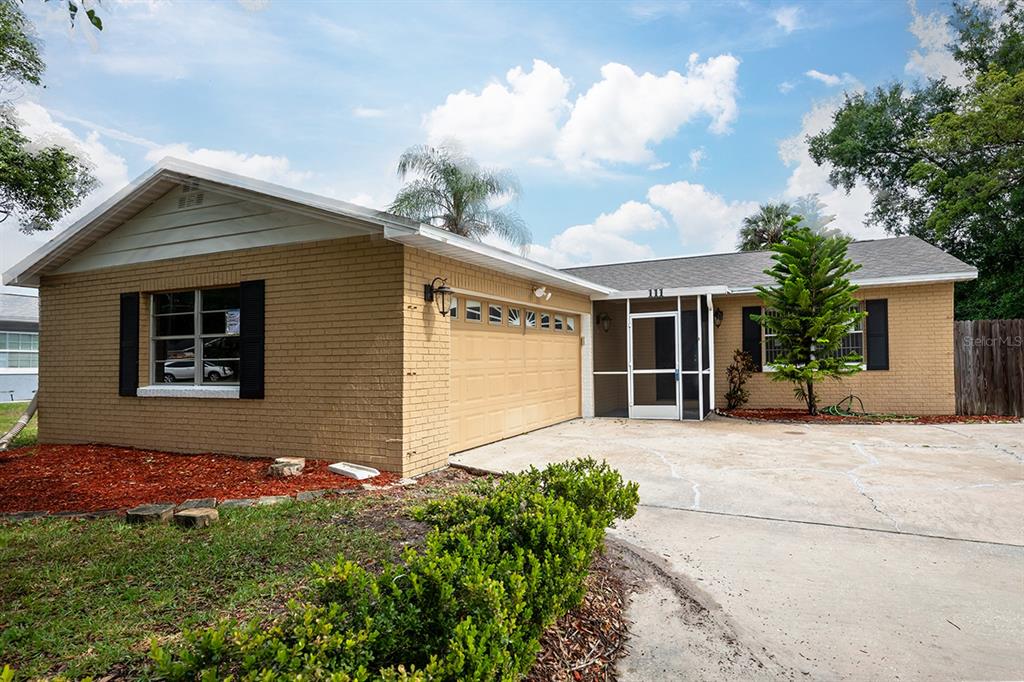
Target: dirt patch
[(678, 631), (88, 478), (794, 416)]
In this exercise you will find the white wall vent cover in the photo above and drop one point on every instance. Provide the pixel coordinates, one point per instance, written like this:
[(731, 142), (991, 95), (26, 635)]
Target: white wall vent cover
[(191, 195)]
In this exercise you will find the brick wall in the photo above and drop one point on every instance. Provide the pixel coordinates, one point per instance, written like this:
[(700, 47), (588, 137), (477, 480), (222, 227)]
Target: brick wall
[(333, 368), (920, 375)]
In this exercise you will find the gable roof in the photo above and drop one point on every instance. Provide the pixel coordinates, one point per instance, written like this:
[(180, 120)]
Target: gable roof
[(898, 260), (170, 173)]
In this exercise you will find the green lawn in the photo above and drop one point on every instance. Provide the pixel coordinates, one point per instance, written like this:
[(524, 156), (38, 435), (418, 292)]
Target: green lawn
[(85, 597), (9, 413)]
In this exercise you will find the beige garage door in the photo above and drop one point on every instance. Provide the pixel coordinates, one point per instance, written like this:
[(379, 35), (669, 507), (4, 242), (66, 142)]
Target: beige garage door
[(514, 369)]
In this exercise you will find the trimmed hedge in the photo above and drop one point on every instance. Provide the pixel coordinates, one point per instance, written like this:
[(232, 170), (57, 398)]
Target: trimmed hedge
[(500, 565)]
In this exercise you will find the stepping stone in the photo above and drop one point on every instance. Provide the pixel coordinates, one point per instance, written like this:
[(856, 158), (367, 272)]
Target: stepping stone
[(200, 503), (310, 495), (196, 517), (150, 513), (268, 500), (243, 502), (284, 469), (407, 482)]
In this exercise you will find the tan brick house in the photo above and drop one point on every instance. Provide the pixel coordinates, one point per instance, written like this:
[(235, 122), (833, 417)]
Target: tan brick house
[(197, 310)]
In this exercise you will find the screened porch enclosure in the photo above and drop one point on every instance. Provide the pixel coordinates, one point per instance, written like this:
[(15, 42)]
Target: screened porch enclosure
[(653, 357)]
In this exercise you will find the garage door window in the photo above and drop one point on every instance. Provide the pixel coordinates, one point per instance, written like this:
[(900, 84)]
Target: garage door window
[(531, 319), (494, 315), (453, 308), (545, 321), (570, 323), (473, 311), (513, 317), (559, 325)]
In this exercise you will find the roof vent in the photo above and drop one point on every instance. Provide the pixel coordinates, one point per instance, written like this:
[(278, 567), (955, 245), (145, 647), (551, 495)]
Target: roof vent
[(191, 195)]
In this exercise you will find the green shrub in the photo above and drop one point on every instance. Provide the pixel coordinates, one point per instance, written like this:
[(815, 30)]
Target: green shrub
[(500, 565)]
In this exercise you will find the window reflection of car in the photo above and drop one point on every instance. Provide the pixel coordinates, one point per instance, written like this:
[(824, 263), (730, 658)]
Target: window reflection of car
[(183, 371)]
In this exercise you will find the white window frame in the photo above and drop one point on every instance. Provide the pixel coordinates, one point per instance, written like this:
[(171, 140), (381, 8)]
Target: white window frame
[(453, 308), (517, 319), (570, 324), (530, 321), (479, 311), (766, 367), (545, 316), (491, 308), (198, 339), (33, 352), (559, 324)]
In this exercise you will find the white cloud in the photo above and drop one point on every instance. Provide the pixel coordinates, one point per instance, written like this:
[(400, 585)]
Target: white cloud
[(786, 87), (707, 222), (933, 59), (369, 112), (622, 115), (787, 18), (807, 177), (605, 240), (617, 120), (660, 165), (697, 156), (518, 119), (832, 80), (270, 168)]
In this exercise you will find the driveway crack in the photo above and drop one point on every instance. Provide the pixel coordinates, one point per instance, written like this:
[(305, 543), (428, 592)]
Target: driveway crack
[(862, 489)]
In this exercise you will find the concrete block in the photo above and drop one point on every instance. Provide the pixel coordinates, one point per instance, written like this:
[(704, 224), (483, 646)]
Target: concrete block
[(356, 471), (196, 517), (150, 513), (198, 503), (310, 495), (268, 500), (242, 502)]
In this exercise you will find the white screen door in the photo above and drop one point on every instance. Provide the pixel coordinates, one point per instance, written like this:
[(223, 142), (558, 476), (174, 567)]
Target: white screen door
[(653, 354)]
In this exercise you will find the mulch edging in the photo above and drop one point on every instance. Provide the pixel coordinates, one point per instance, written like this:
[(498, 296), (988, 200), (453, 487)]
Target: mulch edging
[(586, 643), (791, 416), (93, 480)]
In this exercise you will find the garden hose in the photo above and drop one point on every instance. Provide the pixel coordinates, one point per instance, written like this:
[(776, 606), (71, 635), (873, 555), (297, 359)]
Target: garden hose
[(844, 408)]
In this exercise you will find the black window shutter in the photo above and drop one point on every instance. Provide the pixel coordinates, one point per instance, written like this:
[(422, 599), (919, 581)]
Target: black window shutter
[(752, 334), (251, 336), (877, 333), (128, 361)]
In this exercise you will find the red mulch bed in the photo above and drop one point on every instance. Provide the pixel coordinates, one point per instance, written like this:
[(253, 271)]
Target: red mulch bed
[(88, 478), (788, 415)]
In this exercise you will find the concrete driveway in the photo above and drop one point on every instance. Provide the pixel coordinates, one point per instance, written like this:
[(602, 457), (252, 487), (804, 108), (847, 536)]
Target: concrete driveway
[(839, 551)]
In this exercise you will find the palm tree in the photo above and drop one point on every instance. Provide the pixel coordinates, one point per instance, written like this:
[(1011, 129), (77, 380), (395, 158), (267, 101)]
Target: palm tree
[(764, 228), (451, 191)]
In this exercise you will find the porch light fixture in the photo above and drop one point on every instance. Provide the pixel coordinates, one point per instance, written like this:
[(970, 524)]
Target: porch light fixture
[(718, 317), (439, 292), (605, 320), (542, 293)]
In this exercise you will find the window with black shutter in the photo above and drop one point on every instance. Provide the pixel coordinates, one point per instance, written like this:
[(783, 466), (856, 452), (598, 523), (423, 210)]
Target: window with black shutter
[(877, 325), (752, 334)]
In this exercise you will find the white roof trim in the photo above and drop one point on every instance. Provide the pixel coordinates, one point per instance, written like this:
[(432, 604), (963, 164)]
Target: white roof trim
[(445, 243), (665, 293), (27, 272), (891, 281)]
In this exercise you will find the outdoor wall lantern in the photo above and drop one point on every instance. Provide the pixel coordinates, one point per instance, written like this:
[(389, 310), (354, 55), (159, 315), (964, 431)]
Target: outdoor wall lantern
[(605, 320), (542, 293), (718, 317), (439, 292)]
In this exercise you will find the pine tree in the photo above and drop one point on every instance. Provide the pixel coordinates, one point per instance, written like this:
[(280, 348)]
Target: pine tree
[(810, 310)]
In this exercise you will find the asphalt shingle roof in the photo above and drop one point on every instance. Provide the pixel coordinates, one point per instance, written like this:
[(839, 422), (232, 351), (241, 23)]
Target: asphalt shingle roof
[(19, 308), (895, 257)]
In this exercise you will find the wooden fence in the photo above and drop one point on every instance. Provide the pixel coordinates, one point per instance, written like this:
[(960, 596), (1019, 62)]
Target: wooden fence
[(989, 362)]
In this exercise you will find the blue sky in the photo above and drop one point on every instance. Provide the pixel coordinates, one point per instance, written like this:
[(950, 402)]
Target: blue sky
[(637, 129)]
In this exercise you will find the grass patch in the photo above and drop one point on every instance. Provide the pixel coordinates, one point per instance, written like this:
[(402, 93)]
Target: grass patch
[(85, 597), (9, 413)]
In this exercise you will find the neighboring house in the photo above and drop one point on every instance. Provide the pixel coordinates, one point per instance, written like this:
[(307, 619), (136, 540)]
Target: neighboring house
[(198, 310), (19, 346)]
